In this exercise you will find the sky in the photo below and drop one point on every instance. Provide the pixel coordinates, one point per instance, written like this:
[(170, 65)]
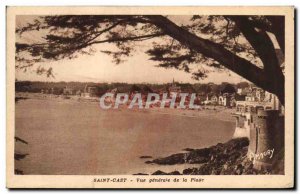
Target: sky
[(100, 68)]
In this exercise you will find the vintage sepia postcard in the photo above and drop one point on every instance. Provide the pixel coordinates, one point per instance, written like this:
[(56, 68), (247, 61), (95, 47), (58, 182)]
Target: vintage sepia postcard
[(150, 97)]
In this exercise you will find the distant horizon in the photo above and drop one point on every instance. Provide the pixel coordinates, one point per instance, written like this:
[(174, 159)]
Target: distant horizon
[(133, 82), (162, 76)]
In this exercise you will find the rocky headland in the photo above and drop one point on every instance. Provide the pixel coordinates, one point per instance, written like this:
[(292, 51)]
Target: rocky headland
[(228, 158)]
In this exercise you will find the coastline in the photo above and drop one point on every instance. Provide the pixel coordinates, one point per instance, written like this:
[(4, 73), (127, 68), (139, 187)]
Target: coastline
[(193, 137)]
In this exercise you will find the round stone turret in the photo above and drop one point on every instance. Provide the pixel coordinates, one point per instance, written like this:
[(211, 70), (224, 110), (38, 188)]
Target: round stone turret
[(266, 137)]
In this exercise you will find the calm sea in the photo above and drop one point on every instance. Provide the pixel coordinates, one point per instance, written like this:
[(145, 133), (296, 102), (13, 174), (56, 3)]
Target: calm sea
[(67, 137)]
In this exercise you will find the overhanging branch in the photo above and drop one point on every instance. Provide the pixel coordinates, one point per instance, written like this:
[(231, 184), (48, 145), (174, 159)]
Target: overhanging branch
[(239, 65)]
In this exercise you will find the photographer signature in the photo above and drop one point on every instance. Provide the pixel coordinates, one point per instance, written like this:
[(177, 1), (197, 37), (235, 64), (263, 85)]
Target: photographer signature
[(269, 153)]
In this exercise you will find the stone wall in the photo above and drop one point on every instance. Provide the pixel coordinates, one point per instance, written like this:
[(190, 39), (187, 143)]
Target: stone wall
[(242, 128)]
